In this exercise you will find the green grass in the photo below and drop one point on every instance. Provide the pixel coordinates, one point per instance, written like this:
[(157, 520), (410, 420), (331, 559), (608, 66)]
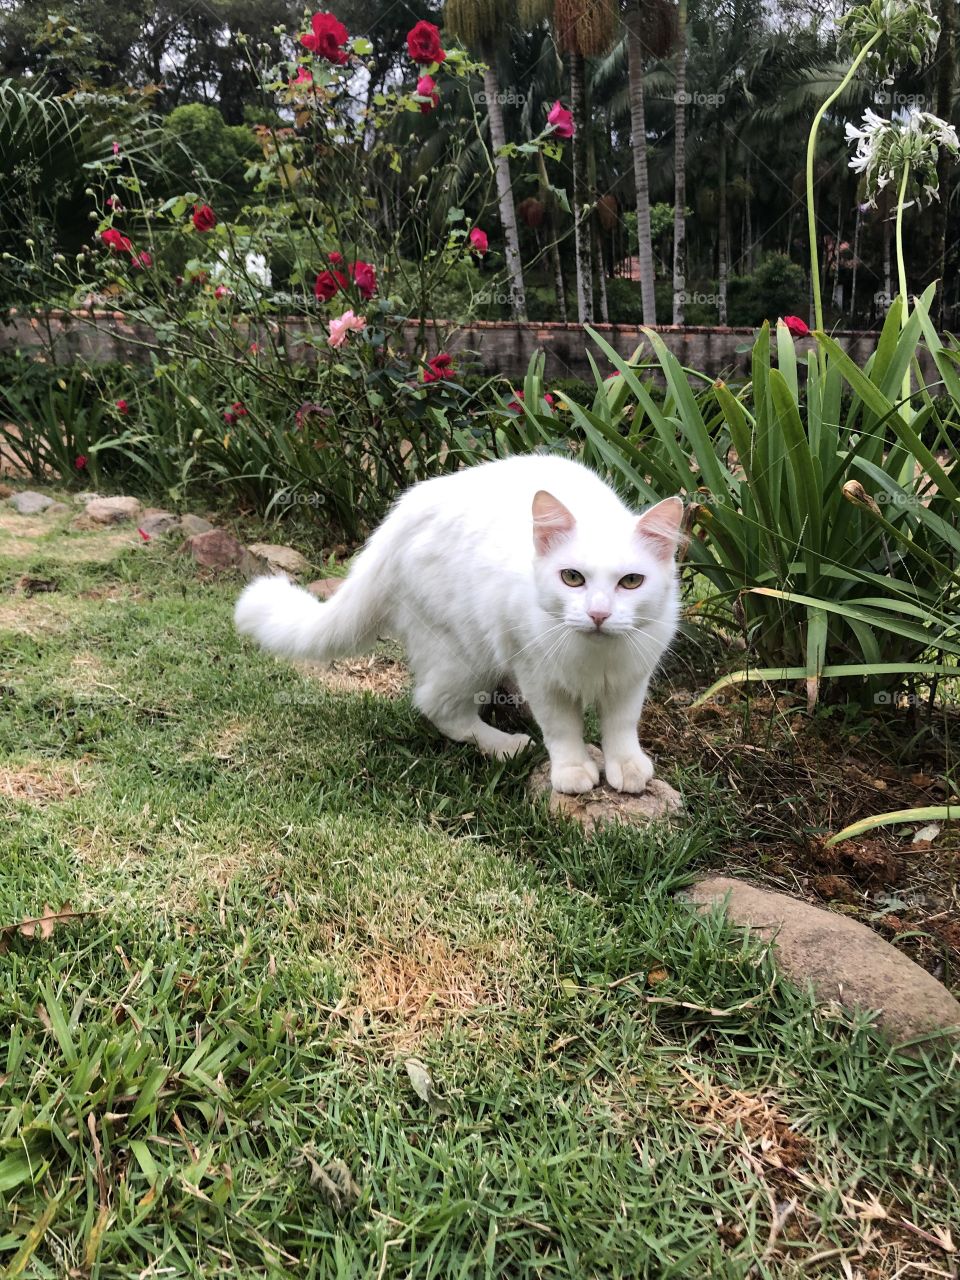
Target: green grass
[(294, 892)]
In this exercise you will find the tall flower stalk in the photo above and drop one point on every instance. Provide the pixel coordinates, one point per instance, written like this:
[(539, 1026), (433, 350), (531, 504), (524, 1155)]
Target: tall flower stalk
[(905, 151), (882, 34)]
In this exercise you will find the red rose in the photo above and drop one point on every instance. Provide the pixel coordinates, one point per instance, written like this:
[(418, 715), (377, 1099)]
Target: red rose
[(423, 43), (236, 410), (327, 38), (799, 328), (439, 368), (122, 406), (365, 278), (142, 260), (80, 461), (222, 291), (335, 258), (478, 241), (115, 241), (328, 283), (204, 219)]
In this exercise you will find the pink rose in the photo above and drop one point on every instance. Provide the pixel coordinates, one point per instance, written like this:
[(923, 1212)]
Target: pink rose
[(561, 119), (478, 241), (342, 325), (427, 88)]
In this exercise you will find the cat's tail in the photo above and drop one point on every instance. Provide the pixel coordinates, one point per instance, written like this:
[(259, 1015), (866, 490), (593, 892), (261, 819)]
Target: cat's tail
[(286, 620)]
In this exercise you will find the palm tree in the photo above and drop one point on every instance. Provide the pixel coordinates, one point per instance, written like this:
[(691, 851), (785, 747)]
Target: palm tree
[(585, 29), (480, 24), (648, 34), (680, 167)]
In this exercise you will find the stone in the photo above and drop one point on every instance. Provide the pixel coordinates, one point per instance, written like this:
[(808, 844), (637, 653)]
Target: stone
[(57, 509), (324, 588), (843, 960), (29, 503), (603, 804), (191, 525), (216, 549), (279, 559), (157, 522), (85, 497), (112, 510), (5, 491)]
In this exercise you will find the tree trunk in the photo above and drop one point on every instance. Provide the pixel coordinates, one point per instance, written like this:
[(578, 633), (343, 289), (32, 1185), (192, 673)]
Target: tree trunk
[(638, 130), (600, 259), (548, 202), (680, 168), (508, 213), (946, 66), (722, 232), (746, 262), (581, 219)]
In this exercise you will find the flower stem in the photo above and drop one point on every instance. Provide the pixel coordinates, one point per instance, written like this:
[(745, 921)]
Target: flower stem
[(902, 275), (811, 152)]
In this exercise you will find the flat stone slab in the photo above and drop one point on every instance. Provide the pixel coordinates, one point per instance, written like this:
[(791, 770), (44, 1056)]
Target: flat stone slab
[(158, 522), (844, 961), (218, 550), (112, 510), (30, 503), (659, 802), (280, 559), (195, 524)]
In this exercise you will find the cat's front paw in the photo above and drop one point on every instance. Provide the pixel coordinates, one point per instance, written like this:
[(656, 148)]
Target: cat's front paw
[(512, 745), (632, 773), (572, 779)]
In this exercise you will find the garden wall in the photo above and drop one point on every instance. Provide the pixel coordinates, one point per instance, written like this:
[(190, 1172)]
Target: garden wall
[(493, 346)]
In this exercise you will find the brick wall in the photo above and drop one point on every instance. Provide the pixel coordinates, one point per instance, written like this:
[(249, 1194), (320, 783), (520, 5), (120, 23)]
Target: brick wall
[(490, 346)]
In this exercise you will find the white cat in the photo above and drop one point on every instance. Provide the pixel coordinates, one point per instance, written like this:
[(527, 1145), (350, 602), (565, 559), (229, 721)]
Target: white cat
[(530, 568)]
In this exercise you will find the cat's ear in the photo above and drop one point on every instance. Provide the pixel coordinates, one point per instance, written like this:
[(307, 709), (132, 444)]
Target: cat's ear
[(551, 521), (661, 526)]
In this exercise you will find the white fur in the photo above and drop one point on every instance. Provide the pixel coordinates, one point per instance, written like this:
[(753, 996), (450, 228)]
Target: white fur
[(454, 574)]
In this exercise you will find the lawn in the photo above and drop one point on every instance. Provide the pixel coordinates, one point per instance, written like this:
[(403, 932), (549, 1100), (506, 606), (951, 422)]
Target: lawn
[(341, 1001)]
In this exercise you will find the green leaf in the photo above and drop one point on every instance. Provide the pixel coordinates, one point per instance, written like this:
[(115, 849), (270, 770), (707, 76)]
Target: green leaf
[(895, 817)]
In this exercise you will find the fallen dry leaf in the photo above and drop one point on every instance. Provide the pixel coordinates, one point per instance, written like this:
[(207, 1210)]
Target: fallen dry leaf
[(41, 926)]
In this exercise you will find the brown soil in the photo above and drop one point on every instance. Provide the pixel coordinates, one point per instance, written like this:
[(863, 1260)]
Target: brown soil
[(798, 778)]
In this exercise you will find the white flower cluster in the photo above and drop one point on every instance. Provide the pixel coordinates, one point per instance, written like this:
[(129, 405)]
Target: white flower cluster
[(886, 148)]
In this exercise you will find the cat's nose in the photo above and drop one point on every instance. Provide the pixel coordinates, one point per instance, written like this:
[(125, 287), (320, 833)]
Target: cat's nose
[(598, 616)]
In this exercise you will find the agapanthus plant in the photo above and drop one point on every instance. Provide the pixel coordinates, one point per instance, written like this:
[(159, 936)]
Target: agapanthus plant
[(903, 152), (881, 35), (902, 149)]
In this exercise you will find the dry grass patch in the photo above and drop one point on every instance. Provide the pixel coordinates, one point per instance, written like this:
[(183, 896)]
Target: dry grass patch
[(403, 992), (385, 676), (39, 783)]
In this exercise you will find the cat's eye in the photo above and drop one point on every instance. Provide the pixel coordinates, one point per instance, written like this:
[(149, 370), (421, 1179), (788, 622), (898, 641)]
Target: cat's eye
[(630, 581), (572, 577)]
